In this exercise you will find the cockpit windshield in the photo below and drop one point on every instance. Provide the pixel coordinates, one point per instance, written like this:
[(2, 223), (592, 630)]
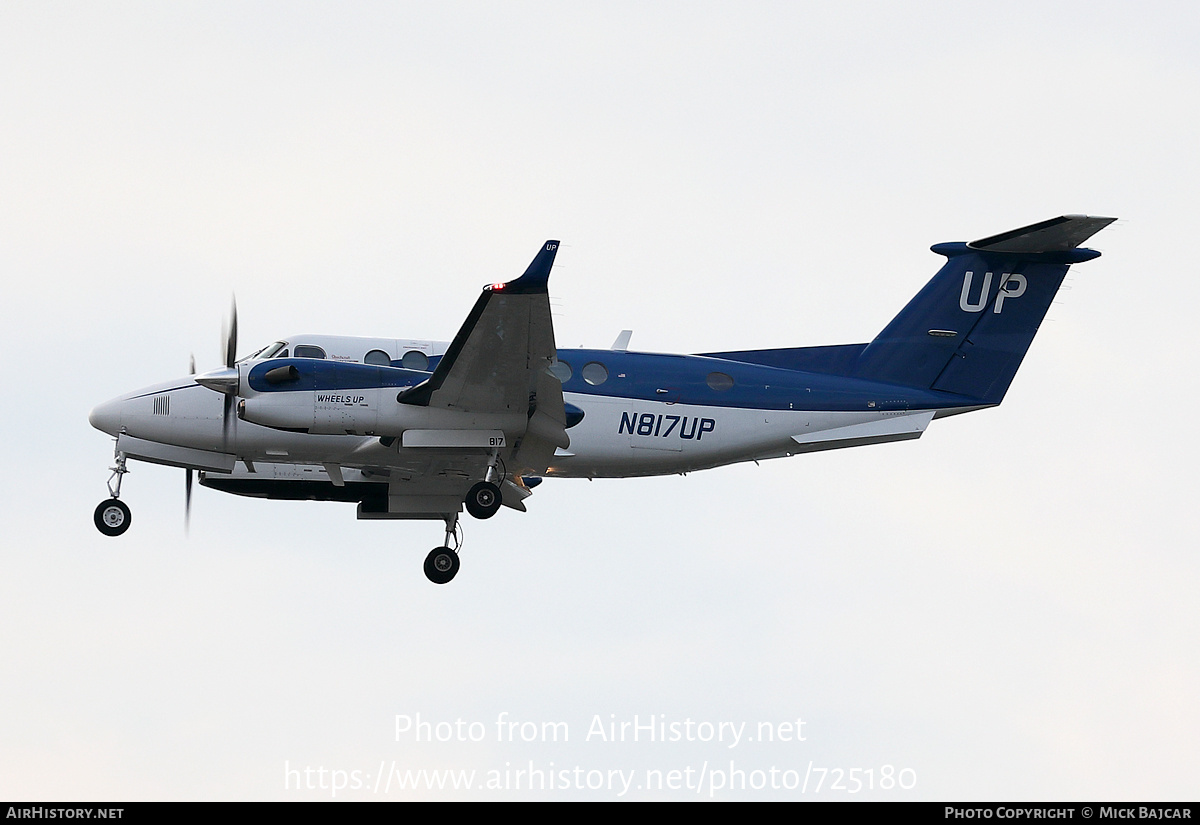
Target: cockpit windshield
[(266, 352)]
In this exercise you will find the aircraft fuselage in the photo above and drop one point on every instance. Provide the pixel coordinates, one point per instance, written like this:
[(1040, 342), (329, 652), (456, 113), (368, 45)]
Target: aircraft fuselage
[(651, 414)]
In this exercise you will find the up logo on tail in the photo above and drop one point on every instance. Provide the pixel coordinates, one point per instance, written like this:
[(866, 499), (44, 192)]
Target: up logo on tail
[(1012, 286)]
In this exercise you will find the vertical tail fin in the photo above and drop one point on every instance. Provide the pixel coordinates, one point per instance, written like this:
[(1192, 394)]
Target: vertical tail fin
[(967, 331)]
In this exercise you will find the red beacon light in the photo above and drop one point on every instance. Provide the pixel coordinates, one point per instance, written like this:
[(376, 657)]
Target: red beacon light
[(497, 287)]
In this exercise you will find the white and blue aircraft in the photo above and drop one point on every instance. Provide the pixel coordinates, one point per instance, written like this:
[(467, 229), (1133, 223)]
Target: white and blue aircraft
[(417, 429)]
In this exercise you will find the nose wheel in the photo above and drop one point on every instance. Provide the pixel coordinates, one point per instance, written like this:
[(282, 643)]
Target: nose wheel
[(112, 517)]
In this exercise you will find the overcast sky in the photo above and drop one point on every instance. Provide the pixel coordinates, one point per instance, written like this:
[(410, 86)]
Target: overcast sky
[(1005, 609)]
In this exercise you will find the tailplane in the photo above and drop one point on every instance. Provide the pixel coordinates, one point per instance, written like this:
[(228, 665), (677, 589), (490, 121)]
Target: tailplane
[(967, 331)]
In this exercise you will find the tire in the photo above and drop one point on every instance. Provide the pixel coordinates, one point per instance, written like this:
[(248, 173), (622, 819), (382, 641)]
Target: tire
[(112, 517), (483, 500), (441, 565)]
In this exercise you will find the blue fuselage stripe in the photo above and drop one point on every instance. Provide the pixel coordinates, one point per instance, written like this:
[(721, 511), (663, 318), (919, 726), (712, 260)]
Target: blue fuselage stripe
[(640, 376)]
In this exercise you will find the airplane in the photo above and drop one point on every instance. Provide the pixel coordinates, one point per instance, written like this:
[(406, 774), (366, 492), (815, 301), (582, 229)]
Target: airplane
[(415, 429)]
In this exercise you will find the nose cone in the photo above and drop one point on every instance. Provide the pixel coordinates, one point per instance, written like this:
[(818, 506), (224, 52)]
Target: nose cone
[(106, 417)]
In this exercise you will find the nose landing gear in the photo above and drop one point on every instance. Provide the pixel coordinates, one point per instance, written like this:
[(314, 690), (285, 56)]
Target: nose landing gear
[(112, 517)]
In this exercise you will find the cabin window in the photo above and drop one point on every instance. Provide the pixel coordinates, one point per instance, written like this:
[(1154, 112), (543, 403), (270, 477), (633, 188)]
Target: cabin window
[(561, 370), (719, 381), (414, 359), (378, 358), (595, 373), (309, 351)]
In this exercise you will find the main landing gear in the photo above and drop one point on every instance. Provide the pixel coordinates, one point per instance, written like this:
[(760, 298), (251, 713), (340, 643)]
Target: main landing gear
[(441, 564), (482, 501), (112, 517)]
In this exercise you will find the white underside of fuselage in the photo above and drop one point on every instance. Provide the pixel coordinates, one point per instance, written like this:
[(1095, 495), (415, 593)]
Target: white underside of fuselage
[(620, 437)]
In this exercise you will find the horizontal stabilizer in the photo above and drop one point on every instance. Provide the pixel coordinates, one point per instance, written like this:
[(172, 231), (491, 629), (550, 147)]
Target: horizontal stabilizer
[(1054, 235)]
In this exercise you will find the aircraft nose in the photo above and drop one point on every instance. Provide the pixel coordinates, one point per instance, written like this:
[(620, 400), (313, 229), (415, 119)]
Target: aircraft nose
[(106, 417)]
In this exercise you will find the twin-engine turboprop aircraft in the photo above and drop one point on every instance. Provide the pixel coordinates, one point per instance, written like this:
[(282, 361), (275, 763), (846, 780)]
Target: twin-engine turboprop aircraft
[(417, 429)]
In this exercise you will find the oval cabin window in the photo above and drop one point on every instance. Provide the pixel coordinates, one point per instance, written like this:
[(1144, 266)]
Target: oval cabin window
[(414, 359), (595, 373), (719, 381)]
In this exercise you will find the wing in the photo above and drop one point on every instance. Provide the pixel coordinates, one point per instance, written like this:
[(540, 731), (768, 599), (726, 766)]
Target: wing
[(499, 363)]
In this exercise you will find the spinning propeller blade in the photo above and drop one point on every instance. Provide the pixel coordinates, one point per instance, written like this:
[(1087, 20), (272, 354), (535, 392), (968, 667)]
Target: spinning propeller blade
[(226, 379), (229, 345), (229, 335)]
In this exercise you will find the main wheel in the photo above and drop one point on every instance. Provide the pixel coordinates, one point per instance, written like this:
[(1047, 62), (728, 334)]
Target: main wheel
[(441, 564), (483, 500), (112, 517)]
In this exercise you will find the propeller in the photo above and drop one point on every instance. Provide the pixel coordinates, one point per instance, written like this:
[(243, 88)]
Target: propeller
[(224, 381), (187, 494), (229, 335), (229, 341)]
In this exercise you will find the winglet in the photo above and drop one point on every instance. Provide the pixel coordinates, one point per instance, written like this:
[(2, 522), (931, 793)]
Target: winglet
[(536, 277)]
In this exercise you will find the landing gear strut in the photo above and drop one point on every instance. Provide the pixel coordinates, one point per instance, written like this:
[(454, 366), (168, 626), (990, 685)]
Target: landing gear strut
[(112, 517), (441, 564)]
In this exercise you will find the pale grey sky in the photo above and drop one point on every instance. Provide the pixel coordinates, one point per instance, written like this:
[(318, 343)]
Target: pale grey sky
[(1006, 608)]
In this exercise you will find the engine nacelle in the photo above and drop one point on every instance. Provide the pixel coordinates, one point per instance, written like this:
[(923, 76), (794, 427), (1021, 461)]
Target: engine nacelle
[(330, 398), (324, 412), (374, 412)]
